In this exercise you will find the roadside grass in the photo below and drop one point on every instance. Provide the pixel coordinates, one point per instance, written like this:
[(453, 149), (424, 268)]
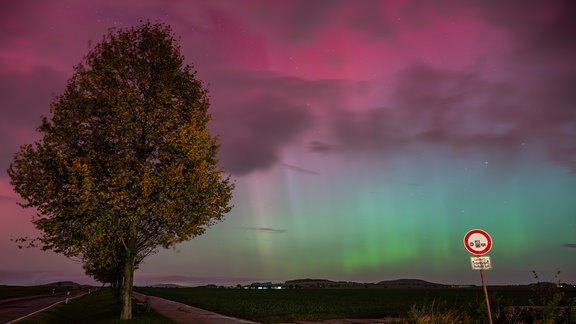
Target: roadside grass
[(433, 313), (97, 307), (414, 305)]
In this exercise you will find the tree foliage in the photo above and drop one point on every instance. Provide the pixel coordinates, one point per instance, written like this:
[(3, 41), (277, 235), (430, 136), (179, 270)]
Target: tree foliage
[(126, 163)]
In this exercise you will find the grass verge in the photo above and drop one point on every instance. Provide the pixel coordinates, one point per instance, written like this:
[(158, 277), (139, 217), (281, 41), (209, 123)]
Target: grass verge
[(97, 307)]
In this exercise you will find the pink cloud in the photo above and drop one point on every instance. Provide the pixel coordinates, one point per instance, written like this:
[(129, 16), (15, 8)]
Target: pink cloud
[(381, 74), (463, 112)]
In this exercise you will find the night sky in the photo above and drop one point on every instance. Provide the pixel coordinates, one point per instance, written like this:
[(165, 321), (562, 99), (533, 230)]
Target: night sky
[(365, 137)]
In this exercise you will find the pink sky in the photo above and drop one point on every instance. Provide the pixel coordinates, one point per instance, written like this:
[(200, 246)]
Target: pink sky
[(332, 78)]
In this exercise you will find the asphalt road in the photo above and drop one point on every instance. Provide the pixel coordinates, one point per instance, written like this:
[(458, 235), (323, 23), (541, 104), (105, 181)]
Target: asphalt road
[(16, 308)]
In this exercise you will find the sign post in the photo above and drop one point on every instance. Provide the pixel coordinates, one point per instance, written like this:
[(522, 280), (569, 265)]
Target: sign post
[(478, 242)]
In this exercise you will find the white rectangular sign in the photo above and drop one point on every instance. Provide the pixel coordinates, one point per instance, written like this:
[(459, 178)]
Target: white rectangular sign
[(481, 262)]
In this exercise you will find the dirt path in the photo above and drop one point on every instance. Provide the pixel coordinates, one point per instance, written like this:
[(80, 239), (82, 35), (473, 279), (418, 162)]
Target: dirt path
[(182, 313)]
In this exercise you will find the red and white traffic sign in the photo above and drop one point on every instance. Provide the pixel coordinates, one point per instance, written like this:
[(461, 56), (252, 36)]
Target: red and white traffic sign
[(477, 241)]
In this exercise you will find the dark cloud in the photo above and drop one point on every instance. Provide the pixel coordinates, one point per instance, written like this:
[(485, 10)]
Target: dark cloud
[(310, 17), (258, 114), (25, 98), (537, 27), (268, 230), (301, 21), (252, 133), (371, 19), (542, 60), (7, 198), (322, 147), (10, 18), (294, 20), (543, 46), (299, 169), (464, 112)]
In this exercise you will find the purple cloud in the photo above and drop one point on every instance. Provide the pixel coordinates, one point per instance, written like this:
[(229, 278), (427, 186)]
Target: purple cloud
[(257, 114)]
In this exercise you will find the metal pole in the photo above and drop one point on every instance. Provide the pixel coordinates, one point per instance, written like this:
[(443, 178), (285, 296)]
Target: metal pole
[(486, 296)]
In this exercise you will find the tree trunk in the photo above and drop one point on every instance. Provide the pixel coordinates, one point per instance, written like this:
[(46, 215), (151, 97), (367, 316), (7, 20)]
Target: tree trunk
[(126, 289)]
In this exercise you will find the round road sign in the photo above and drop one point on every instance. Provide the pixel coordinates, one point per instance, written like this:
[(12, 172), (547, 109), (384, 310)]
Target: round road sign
[(477, 241)]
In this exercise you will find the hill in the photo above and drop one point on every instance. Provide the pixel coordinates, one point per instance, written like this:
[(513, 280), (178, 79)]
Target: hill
[(324, 283), (62, 284), (167, 285), (409, 283)]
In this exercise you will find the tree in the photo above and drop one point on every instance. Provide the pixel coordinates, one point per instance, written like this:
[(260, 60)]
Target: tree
[(126, 163)]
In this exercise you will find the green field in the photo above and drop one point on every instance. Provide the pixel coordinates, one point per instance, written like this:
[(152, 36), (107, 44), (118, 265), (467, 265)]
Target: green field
[(270, 306), (415, 305)]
